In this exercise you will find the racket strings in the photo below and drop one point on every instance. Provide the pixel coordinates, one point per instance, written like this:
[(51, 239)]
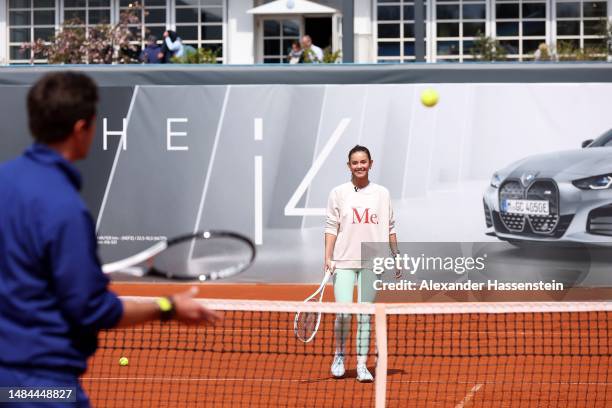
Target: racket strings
[(204, 259), (307, 323)]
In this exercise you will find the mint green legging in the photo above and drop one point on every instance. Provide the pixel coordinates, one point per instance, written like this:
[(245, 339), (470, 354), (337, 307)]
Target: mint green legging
[(344, 282)]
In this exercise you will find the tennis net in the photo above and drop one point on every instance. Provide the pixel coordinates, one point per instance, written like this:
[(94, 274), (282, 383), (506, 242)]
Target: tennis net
[(422, 355)]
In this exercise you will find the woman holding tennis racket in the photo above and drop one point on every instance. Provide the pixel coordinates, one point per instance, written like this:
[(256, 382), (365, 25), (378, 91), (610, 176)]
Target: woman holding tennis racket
[(357, 211)]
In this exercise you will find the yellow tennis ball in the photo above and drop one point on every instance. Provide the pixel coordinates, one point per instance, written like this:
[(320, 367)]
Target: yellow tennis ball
[(429, 97), (123, 361)]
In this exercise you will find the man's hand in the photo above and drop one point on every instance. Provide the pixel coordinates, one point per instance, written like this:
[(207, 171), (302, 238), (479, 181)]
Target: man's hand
[(190, 311)]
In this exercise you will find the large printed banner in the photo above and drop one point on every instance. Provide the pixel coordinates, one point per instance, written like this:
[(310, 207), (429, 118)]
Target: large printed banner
[(262, 159)]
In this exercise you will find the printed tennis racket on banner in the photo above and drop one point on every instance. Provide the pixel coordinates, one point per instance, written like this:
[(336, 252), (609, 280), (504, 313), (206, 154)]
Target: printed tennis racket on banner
[(206, 255), (306, 323)]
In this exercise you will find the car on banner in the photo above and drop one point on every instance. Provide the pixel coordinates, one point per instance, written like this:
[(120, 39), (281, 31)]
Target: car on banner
[(555, 197)]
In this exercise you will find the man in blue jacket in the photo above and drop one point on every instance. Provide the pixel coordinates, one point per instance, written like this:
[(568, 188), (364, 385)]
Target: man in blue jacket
[(54, 297), (150, 55)]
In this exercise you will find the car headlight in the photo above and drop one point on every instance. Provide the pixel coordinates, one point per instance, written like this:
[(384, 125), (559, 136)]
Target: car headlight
[(496, 180), (594, 183)]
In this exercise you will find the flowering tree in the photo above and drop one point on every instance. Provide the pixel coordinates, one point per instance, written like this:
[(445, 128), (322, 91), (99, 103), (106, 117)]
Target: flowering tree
[(102, 44)]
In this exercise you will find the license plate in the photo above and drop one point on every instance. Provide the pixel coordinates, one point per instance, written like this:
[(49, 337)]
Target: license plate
[(526, 207)]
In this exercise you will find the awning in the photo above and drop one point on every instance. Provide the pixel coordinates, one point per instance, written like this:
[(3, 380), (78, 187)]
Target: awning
[(299, 7)]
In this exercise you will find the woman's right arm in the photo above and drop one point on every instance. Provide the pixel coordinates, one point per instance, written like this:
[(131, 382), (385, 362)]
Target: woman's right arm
[(330, 242), (332, 225), (173, 46)]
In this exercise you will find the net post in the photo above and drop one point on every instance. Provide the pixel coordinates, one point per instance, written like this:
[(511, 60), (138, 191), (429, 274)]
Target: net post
[(381, 363)]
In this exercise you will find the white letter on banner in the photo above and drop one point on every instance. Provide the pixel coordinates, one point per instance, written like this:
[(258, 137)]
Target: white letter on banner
[(170, 134), (105, 133), (290, 207)]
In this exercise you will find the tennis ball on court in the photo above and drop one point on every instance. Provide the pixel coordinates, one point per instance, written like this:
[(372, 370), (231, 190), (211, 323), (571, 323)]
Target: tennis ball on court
[(429, 97), (123, 361)]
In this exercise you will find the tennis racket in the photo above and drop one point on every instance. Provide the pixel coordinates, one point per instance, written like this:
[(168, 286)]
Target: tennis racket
[(306, 323), (206, 255)]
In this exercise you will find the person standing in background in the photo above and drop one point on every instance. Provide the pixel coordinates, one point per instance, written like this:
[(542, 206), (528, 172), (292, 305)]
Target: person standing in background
[(171, 47), (312, 53), (150, 55)]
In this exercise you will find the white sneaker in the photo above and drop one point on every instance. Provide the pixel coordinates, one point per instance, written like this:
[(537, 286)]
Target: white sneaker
[(363, 375), (337, 368)]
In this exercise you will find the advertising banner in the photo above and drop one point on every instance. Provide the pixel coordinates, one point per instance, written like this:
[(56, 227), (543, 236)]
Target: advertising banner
[(491, 162)]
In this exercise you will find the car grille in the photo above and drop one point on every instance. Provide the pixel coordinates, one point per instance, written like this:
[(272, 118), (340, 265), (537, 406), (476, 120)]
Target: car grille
[(564, 222), (544, 190), (512, 190), (537, 190), (600, 221), (487, 212)]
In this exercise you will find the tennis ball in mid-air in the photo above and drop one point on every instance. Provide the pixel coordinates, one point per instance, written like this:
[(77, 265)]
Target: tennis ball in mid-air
[(429, 97), (123, 361)]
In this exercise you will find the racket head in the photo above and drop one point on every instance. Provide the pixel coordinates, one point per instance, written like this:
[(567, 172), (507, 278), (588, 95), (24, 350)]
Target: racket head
[(306, 323), (203, 256)]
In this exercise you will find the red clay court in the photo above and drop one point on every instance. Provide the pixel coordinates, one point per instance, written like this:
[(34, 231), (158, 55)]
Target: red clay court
[(453, 354)]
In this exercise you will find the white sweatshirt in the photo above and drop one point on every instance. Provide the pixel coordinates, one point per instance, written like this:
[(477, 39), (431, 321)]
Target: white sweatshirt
[(355, 217)]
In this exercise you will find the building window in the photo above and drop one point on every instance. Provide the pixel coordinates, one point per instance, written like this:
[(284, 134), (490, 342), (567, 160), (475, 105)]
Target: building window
[(458, 24), (278, 35), (520, 27), (87, 12), (153, 18), (27, 21), (199, 23), (579, 23), (395, 30)]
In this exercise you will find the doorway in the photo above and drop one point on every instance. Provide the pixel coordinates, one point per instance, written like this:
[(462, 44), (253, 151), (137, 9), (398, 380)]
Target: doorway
[(320, 30)]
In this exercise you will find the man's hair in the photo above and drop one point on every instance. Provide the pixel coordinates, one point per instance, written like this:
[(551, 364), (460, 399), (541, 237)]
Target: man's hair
[(152, 39), (359, 148), (57, 101)]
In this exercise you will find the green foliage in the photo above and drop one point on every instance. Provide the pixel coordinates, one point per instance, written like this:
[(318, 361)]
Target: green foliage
[(308, 56), (487, 49), (199, 56), (330, 57), (596, 51), (566, 51)]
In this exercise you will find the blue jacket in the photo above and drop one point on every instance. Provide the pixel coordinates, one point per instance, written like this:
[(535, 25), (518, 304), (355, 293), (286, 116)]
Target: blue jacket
[(53, 295), (149, 54)]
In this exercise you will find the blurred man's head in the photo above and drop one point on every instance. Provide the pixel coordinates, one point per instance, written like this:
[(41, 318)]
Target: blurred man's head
[(306, 41), (62, 111), (151, 40)]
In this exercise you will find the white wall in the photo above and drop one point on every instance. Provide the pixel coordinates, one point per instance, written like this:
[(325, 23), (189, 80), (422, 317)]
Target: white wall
[(240, 32), (3, 32), (363, 31)]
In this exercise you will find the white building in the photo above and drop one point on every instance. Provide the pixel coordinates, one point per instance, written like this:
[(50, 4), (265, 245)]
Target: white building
[(366, 31)]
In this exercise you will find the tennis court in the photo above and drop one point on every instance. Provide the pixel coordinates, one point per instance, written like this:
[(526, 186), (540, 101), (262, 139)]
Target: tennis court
[(502, 354)]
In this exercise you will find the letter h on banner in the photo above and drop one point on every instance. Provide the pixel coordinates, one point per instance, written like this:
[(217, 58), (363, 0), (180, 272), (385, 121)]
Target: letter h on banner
[(106, 132)]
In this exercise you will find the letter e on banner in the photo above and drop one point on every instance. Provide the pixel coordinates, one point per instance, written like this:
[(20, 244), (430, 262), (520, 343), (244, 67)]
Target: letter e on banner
[(170, 134)]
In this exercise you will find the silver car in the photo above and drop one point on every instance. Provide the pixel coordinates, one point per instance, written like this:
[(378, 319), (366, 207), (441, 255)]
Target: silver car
[(555, 197)]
